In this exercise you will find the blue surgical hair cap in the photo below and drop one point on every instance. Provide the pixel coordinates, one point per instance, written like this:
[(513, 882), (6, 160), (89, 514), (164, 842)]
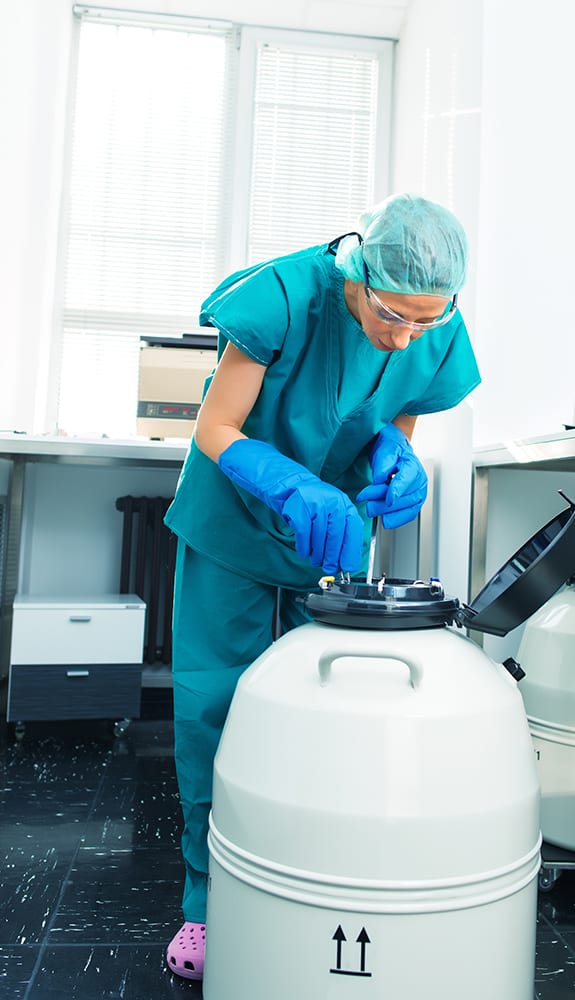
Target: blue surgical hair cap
[(410, 245)]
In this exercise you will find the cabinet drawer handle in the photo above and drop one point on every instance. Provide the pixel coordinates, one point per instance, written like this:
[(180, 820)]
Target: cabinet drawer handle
[(77, 673), (80, 618)]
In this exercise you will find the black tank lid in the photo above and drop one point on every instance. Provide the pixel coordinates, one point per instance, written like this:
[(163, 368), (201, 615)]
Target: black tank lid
[(527, 580), (388, 604)]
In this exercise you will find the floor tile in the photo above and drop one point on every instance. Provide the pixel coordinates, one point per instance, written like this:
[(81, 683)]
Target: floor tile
[(28, 901), (136, 812), (51, 750), (121, 896), (108, 973), (27, 846), (16, 968), (31, 808)]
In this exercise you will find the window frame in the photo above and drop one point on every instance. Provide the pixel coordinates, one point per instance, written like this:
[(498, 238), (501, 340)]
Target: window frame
[(237, 173), (251, 38)]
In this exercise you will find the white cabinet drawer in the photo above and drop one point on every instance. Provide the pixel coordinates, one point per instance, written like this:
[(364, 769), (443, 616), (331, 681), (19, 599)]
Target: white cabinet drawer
[(110, 631)]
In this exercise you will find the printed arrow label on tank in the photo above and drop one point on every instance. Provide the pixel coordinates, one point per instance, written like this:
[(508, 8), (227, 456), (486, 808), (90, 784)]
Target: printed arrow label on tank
[(362, 940)]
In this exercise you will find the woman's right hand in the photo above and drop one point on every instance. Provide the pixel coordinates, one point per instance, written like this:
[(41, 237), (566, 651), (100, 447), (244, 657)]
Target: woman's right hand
[(327, 527)]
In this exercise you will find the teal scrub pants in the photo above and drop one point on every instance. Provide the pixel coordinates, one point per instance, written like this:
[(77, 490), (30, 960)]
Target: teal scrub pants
[(222, 622)]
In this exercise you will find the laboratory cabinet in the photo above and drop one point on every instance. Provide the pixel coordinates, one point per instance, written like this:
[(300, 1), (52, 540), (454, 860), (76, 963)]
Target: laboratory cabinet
[(76, 658)]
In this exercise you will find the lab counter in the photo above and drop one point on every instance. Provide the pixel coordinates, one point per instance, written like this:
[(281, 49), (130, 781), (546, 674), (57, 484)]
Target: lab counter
[(100, 451), (21, 458), (547, 452)]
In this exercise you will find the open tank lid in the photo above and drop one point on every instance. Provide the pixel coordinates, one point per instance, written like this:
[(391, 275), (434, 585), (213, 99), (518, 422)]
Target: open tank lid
[(528, 579)]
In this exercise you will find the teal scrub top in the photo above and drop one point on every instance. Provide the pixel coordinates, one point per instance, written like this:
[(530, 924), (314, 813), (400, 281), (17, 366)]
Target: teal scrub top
[(325, 395)]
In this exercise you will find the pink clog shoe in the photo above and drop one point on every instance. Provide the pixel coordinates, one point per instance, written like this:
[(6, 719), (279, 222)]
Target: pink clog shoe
[(186, 951)]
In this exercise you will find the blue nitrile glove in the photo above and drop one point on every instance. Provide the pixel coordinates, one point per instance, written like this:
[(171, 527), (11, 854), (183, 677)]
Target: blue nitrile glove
[(328, 529), (399, 480)]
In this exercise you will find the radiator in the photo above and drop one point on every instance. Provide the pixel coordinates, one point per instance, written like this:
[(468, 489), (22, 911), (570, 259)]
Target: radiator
[(147, 569)]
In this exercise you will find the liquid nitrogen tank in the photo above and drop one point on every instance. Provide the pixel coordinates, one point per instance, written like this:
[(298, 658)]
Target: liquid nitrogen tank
[(375, 831), (547, 653)]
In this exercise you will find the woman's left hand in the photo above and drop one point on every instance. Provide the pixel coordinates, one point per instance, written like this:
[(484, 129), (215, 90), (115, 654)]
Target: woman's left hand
[(399, 486)]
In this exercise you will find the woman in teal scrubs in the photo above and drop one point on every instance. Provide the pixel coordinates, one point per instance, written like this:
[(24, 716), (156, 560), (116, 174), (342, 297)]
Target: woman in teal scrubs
[(326, 358)]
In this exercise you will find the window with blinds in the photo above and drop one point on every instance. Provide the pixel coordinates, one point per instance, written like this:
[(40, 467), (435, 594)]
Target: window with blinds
[(158, 142), (313, 146)]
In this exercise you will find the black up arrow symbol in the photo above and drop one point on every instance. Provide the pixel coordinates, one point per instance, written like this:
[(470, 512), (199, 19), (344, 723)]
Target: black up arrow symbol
[(339, 936), (362, 939)]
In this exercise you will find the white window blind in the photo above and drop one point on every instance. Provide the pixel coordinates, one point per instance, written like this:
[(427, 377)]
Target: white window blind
[(153, 209), (314, 146), (146, 196)]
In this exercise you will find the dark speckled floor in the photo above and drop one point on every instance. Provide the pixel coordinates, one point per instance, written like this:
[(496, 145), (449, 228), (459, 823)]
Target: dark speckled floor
[(91, 877)]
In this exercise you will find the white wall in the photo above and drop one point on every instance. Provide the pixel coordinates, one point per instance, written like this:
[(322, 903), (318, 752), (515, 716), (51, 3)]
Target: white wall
[(437, 138), (484, 117), (525, 329), (484, 107), (34, 62)]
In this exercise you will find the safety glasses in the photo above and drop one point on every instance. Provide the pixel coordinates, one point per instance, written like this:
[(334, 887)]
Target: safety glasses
[(387, 315)]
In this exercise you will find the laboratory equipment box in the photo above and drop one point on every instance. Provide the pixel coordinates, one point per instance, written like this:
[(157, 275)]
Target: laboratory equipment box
[(172, 375), (76, 658)]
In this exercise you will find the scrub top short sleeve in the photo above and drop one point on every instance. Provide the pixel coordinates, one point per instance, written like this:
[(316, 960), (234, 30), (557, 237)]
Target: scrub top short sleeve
[(251, 314), (446, 369)]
